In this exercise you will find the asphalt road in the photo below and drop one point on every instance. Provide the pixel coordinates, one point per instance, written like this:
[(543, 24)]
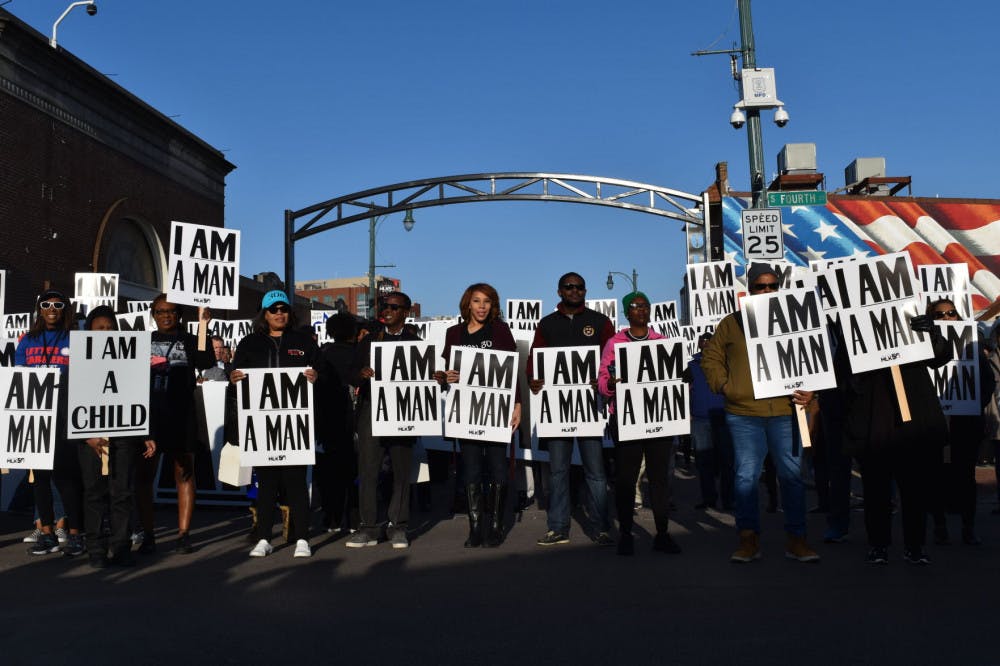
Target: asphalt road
[(437, 602)]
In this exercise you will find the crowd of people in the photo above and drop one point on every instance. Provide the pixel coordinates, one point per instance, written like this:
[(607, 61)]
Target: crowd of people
[(362, 482)]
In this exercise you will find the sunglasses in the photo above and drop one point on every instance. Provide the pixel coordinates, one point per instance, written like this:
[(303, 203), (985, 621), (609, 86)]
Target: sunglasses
[(941, 314), (165, 311), (393, 306), (638, 306), (764, 286), (571, 287), (56, 305), (277, 309)]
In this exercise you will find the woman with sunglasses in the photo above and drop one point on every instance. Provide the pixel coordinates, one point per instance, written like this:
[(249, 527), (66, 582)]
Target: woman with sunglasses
[(957, 482), (46, 345), (629, 455), (482, 327), (176, 356), (276, 343)]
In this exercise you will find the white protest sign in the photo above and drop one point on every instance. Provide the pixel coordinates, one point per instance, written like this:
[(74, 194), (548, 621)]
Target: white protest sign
[(763, 238), (108, 384), (16, 324), (957, 382), (230, 330), (135, 321), (711, 291), (787, 344), (95, 289), (317, 319), (523, 309), (606, 306), (28, 417), (691, 335), (275, 416), (947, 281), (651, 400), (139, 306), (204, 266), (875, 299), (404, 396), (567, 404), (663, 319), (480, 405), (433, 330)]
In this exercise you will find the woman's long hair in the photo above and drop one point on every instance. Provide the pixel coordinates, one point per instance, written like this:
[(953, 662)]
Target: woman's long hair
[(67, 322), (260, 324), (465, 305)]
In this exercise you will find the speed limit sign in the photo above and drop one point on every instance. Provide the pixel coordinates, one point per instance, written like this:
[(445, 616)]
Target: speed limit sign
[(762, 235)]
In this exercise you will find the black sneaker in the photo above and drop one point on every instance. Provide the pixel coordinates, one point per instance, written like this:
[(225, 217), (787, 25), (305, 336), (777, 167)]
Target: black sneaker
[(604, 539), (664, 543), (184, 545), (75, 546), (148, 545), (122, 558), (626, 545), (552, 538), (916, 556), (877, 555), (45, 545)]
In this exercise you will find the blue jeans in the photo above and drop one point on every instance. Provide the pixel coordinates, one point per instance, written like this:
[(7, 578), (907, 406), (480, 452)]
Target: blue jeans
[(560, 454), (753, 438)]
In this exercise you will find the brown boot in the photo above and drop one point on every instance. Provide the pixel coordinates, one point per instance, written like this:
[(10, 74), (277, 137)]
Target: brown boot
[(749, 549), (797, 549)]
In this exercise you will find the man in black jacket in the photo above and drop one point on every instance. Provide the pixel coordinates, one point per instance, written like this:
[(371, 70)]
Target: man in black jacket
[(394, 308), (573, 324)]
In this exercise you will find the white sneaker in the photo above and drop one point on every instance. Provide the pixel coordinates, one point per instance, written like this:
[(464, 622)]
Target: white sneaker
[(33, 537), (262, 549), (302, 549), (62, 535)]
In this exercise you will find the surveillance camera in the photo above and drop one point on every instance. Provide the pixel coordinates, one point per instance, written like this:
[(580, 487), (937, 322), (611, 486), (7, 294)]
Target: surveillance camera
[(737, 120), (781, 117), (91, 9)]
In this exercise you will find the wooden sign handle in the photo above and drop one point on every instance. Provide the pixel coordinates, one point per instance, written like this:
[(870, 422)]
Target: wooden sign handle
[(800, 416), (202, 330), (4, 471), (904, 405), (105, 469), (31, 476)]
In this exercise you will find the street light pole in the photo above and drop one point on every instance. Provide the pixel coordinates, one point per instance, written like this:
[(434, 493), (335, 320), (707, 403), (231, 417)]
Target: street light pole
[(372, 221), (634, 279), (755, 139)]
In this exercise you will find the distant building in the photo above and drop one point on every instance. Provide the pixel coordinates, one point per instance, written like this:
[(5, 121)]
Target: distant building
[(349, 294)]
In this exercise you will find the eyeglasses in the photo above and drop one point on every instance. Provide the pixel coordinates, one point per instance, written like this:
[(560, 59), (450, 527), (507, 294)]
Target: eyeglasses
[(393, 306), (638, 306), (571, 287), (941, 314), (57, 305), (165, 311), (277, 309), (764, 286)]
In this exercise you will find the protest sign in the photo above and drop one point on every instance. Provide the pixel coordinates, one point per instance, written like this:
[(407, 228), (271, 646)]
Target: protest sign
[(523, 309), (3, 291), (691, 335), (404, 396), (606, 306), (230, 330), (16, 324), (567, 404), (139, 306), (787, 344), (663, 319), (204, 266), (711, 291), (957, 382), (93, 290), (875, 299), (28, 417), (317, 319), (275, 416), (108, 384), (135, 321), (433, 330), (480, 405), (8, 348), (651, 400), (947, 281)]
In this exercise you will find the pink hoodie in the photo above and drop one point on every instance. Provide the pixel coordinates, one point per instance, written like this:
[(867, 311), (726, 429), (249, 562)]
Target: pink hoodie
[(608, 357)]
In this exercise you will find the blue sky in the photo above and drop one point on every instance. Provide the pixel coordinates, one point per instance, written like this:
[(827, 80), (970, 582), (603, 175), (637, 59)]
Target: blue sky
[(316, 99)]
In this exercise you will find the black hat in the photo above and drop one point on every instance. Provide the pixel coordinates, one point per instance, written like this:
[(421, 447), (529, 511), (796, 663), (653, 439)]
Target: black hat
[(757, 269), (52, 293)]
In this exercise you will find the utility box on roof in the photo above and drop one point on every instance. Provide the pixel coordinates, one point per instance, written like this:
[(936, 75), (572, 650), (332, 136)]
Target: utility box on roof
[(864, 167), (796, 158)]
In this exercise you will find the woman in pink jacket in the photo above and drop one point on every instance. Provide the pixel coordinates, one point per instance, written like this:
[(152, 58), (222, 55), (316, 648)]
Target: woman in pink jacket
[(628, 455)]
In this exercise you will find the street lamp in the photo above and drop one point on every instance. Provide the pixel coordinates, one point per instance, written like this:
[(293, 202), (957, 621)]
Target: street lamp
[(634, 279), (373, 221), (91, 11)]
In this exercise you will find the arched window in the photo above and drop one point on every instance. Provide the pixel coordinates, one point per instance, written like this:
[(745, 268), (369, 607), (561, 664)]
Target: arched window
[(133, 250)]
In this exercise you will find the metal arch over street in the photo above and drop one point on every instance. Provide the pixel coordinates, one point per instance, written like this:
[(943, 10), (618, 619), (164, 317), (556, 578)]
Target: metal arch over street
[(691, 209)]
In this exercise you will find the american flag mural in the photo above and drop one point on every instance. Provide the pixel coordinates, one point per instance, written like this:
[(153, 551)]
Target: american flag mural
[(933, 231)]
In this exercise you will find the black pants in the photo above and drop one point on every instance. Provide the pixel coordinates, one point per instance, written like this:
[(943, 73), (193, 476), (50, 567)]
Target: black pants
[(628, 460), (66, 476), (473, 455), (371, 450), (334, 476), (957, 483), (113, 492), (290, 481), (913, 468)]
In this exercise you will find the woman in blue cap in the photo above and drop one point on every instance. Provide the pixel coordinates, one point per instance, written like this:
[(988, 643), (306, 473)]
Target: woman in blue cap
[(276, 343)]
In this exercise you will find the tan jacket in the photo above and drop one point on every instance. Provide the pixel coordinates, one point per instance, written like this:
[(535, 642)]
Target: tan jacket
[(727, 369)]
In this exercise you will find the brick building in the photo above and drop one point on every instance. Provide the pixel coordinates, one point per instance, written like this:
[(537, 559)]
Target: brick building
[(349, 294), (90, 175)]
